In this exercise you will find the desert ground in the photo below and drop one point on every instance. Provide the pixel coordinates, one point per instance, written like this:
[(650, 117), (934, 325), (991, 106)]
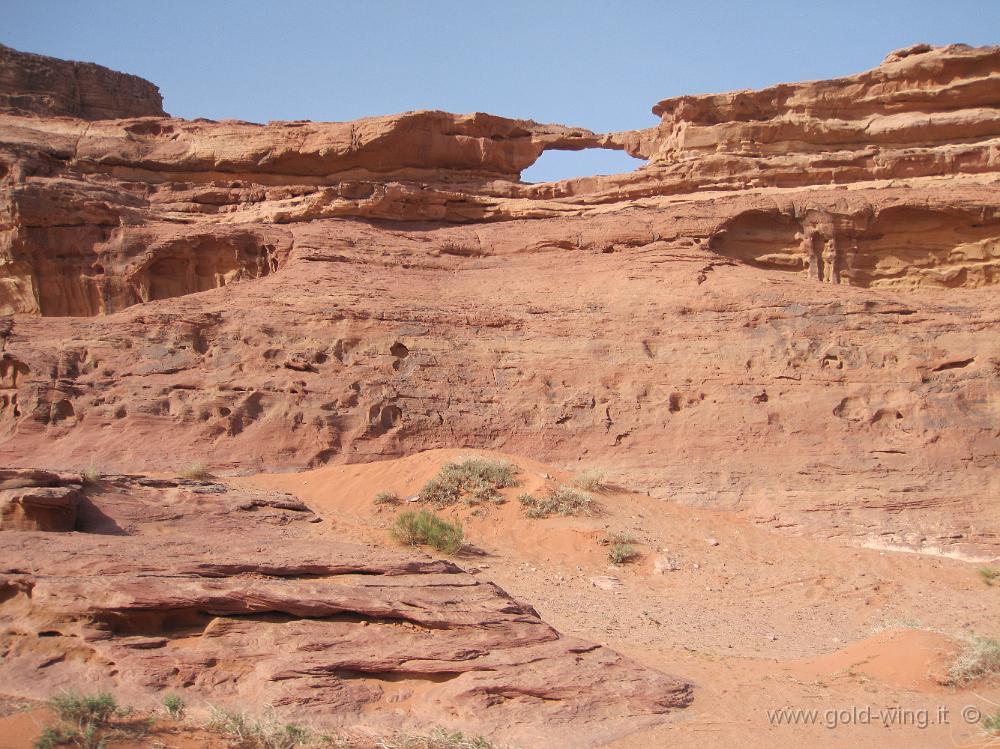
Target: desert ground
[(725, 427)]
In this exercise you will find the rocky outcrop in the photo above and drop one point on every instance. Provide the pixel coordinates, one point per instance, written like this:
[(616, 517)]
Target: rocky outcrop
[(791, 309), (242, 598), (37, 501), (38, 85)]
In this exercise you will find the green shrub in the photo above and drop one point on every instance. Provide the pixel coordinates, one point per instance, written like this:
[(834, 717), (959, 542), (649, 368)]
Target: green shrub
[(989, 575), (620, 553), (424, 527), (53, 736), (386, 498), (591, 480), (86, 709), (991, 724), (174, 705), (562, 501), (473, 480), (86, 716), (978, 661), (196, 472)]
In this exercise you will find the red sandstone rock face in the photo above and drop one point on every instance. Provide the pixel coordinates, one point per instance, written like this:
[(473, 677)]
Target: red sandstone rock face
[(230, 596), (38, 85), (789, 310), (38, 501)]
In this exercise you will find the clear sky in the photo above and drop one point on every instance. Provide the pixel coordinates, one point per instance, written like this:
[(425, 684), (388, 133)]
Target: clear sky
[(599, 65)]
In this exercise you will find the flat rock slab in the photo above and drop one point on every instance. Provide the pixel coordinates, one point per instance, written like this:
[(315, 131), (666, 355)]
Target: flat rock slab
[(258, 609)]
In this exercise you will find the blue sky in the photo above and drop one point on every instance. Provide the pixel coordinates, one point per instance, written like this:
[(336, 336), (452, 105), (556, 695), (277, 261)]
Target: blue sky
[(600, 65)]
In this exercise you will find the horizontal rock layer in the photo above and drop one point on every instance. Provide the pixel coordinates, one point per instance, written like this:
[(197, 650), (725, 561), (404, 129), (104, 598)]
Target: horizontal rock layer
[(233, 597), (789, 310), (38, 85)]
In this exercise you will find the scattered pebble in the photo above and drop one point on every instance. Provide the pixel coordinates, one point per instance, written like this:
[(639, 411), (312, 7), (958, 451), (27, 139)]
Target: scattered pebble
[(606, 582)]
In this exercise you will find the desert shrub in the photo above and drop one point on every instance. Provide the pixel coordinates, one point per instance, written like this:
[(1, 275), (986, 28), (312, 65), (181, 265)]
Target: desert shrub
[(562, 501), (473, 480), (84, 720), (590, 480), (439, 738), (989, 575), (620, 537), (426, 528), (90, 475), (620, 553), (978, 661), (386, 498), (195, 472), (53, 736), (266, 732), (174, 705), (82, 708), (991, 724)]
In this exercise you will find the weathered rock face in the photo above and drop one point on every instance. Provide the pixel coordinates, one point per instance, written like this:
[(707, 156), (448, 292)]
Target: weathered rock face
[(38, 85), (790, 310), (37, 501), (241, 598)]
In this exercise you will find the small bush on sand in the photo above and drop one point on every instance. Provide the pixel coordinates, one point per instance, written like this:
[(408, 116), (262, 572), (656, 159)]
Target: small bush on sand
[(98, 709), (174, 705), (90, 475), (195, 472), (386, 498), (620, 537), (473, 480), (426, 528), (620, 553), (989, 575), (86, 721), (991, 724), (562, 501), (439, 738), (266, 732), (978, 661), (590, 480)]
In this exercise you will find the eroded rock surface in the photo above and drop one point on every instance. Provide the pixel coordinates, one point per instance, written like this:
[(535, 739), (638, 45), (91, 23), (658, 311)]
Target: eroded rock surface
[(790, 310), (36, 84), (241, 598)]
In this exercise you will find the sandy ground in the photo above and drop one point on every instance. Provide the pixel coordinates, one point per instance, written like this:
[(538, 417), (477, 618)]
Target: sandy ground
[(760, 620), (789, 639)]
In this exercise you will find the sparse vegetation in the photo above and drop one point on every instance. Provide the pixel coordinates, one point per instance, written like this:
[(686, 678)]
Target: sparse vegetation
[(562, 501), (590, 480), (991, 724), (174, 705), (620, 537), (439, 738), (426, 528), (97, 709), (87, 721), (266, 732), (989, 575), (620, 553), (978, 661), (195, 472), (386, 498), (90, 475), (473, 480)]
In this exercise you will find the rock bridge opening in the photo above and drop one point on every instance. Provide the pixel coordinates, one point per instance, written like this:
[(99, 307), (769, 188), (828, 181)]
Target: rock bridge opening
[(554, 165)]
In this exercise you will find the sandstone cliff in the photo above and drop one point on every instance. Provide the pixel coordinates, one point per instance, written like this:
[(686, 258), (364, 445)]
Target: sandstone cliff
[(789, 310), (38, 85)]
